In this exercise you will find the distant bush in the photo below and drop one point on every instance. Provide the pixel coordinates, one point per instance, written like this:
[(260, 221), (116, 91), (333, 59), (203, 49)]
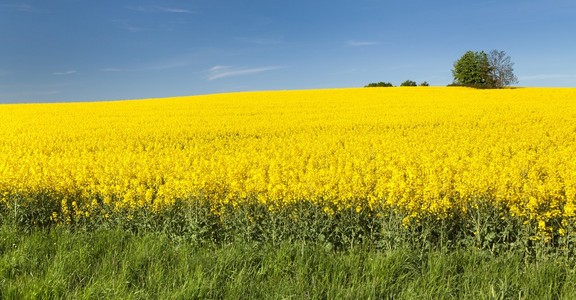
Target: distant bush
[(424, 84), (408, 83), (379, 84)]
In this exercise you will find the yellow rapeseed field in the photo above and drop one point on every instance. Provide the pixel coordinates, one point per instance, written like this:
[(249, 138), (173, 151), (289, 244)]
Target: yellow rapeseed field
[(419, 151)]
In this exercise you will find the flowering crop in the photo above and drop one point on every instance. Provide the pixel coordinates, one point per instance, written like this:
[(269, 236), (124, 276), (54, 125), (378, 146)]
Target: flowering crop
[(418, 151)]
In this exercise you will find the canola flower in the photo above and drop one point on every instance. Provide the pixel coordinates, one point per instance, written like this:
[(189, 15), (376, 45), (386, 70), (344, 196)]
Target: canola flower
[(419, 151)]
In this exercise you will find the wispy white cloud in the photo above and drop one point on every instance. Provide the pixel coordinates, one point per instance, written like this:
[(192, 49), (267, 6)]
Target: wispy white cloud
[(362, 43), (138, 25), (175, 10), (20, 7), (128, 26), (133, 28), (23, 7), (161, 9), (218, 72), (64, 73), (219, 68)]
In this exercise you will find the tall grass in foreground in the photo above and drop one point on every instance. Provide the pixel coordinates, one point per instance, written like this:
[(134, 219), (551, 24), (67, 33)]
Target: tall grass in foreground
[(484, 226), (114, 264)]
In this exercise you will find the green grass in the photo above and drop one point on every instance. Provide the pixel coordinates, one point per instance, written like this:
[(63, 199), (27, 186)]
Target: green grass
[(56, 262), (299, 252)]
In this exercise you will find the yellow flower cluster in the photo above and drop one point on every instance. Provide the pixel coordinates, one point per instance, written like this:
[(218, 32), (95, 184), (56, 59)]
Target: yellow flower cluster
[(420, 151)]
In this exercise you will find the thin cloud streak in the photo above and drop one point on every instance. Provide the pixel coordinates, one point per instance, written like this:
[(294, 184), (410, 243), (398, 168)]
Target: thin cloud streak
[(218, 72), (22, 7), (64, 73), (362, 43), (126, 25), (217, 68), (161, 9), (165, 26)]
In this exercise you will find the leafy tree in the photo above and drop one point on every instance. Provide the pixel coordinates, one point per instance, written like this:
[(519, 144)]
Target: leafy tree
[(472, 69), (501, 69), (379, 84), (424, 84), (481, 70), (408, 83)]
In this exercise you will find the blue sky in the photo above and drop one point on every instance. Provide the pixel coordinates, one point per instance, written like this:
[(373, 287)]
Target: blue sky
[(85, 50)]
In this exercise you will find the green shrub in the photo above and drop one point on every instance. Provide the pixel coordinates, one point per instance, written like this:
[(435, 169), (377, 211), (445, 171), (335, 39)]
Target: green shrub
[(379, 84)]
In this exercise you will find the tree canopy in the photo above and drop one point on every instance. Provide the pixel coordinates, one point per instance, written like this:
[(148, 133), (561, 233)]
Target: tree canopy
[(482, 70), (501, 69), (408, 83), (379, 84)]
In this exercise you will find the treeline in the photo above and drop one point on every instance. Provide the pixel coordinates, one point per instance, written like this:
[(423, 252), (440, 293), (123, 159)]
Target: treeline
[(477, 69), (388, 84)]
